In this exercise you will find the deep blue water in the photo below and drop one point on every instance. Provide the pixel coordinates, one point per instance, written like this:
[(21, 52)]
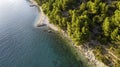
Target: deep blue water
[(23, 45)]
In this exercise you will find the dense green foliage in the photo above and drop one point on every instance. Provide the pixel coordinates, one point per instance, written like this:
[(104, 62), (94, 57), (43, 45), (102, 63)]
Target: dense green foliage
[(85, 20)]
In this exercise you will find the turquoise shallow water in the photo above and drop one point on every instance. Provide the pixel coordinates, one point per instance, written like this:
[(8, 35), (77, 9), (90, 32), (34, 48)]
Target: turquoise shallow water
[(23, 45)]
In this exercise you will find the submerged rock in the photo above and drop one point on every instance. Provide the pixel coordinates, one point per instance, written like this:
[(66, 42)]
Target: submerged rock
[(41, 25), (49, 31), (32, 5)]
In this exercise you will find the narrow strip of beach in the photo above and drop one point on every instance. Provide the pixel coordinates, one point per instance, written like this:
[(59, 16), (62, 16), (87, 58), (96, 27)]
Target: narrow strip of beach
[(78, 50)]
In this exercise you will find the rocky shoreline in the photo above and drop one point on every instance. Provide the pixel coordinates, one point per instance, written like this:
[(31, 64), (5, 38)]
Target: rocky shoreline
[(86, 51)]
